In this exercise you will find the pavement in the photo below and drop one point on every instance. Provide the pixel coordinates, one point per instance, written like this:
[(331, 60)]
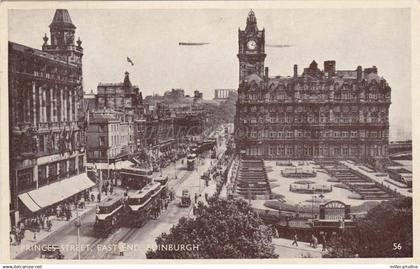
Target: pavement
[(284, 248), (58, 225)]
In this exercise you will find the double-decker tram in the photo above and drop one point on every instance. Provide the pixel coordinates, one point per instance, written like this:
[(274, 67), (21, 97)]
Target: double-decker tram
[(109, 215), (135, 178), (163, 181), (140, 203)]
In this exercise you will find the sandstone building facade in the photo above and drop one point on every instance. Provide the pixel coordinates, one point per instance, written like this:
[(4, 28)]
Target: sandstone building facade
[(47, 125), (325, 113)]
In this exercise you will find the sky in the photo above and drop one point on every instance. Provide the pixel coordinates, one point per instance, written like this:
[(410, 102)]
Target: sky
[(150, 38)]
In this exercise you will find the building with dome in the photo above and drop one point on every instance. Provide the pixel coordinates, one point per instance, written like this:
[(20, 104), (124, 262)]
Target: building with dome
[(326, 113)]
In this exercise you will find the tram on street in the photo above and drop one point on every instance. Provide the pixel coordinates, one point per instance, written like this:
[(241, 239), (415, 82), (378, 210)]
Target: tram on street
[(163, 181), (109, 214), (142, 202), (135, 178), (191, 161)]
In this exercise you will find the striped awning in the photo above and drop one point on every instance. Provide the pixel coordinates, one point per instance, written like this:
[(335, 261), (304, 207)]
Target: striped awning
[(56, 192)]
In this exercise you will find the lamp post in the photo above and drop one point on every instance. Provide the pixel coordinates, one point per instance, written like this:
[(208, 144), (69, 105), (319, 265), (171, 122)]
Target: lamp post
[(313, 194), (107, 163), (78, 224)]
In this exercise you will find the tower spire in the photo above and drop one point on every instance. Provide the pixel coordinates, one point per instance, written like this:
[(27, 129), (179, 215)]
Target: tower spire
[(251, 22)]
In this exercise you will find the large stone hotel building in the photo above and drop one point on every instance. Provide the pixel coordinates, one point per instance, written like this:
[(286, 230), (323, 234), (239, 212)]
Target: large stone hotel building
[(47, 125), (325, 113)]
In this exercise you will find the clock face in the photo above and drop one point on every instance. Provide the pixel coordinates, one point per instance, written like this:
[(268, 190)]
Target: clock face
[(252, 44)]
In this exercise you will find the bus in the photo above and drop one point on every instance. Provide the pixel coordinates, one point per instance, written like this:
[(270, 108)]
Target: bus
[(109, 214), (141, 202), (191, 161), (135, 178)]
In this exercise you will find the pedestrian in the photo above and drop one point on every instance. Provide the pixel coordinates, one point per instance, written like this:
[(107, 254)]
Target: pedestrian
[(111, 189), (324, 243), (82, 202), (12, 237), (276, 233), (58, 211), (68, 213), (18, 235), (121, 248), (92, 197), (98, 197), (49, 225), (195, 197), (41, 221), (295, 240), (313, 241)]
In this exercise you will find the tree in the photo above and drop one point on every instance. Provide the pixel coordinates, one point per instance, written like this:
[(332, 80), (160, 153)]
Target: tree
[(387, 231), (223, 229)]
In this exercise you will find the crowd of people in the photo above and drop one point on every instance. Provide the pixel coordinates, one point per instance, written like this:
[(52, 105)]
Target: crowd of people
[(313, 242), (43, 221)]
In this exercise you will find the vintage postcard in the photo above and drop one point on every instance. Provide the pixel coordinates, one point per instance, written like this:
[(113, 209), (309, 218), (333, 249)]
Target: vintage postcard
[(136, 131)]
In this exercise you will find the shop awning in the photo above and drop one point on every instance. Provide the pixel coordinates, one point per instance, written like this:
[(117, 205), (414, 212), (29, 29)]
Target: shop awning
[(123, 164), (117, 166), (29, 202), (56, 192)]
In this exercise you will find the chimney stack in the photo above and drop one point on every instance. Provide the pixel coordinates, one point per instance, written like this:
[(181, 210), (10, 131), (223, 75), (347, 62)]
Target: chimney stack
[(295, 71), (329, 68), (359, 73)]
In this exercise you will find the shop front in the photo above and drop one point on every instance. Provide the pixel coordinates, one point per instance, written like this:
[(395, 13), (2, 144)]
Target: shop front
[(45, 198)]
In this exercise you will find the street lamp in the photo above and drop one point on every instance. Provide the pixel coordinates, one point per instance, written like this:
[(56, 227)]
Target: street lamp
[(78, 224)]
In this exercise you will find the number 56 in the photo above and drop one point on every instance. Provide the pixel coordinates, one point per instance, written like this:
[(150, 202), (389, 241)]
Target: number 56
[(397, 246)]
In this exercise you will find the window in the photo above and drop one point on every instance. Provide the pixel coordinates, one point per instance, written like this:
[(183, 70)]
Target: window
[(42, 175), (345, 151), (280, 150), (273, 151), (101, 128), (101, 140)]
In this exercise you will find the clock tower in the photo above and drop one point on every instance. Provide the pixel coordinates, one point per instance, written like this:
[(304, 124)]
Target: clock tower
[(62, 44), (251, 53)]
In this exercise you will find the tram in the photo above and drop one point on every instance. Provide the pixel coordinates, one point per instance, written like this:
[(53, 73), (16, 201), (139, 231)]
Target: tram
[(191, 161), (141, 203), (109, 214), (135, 178), (163, 181)]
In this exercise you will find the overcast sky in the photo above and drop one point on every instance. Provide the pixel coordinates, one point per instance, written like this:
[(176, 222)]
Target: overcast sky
[(352, 37)]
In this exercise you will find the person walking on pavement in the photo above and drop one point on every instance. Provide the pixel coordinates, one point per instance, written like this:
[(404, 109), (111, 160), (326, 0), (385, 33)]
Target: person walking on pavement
[(324, 242), (195, 197), (49, 225), (295, 240), (121, 248)]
